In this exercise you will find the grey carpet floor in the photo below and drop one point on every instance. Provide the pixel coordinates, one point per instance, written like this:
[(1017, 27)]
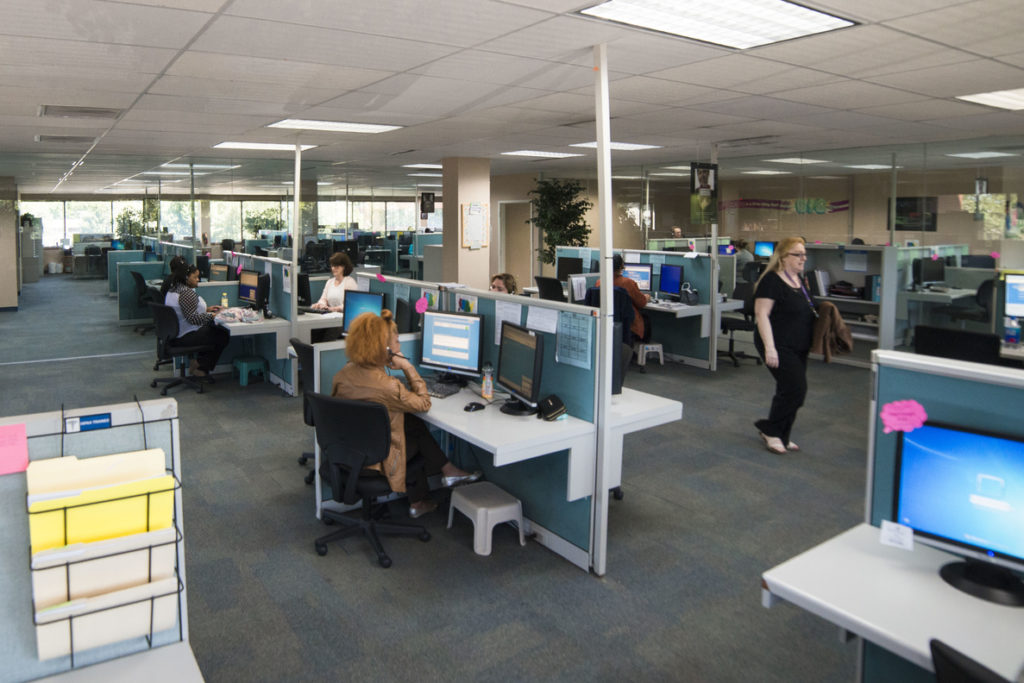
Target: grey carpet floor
[(706, 510)]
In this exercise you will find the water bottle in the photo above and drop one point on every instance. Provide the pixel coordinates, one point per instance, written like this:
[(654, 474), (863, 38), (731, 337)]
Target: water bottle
[(487, 385), (223, 299), (1012, 330)]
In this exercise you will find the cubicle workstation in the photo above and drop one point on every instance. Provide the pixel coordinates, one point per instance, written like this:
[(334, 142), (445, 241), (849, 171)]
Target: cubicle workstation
[(116, 257), (964, 434), (698, 244)]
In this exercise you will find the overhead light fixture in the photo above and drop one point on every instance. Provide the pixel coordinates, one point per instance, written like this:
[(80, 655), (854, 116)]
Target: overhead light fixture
[(766, 172), (871, 167), (178, 173), (1002, 99), (739, 24), (540, 154), (422, 166), (261, 146), (333, 126), (797, 160), (204, 167), (619, 146), (675, 174), (981, 155), (677, 168), (426, 175), (428, 185)]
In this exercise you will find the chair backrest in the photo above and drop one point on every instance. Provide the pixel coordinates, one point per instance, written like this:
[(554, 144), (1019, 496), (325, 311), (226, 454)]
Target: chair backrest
[(140, 285), (203, 264), (304, 352), (978, 347), (165, 323), (953, 666), (622, 309), (744, 292), (352, 435), (751, 271), (227, 245), (154, 295), (984, 294), (549, 288)]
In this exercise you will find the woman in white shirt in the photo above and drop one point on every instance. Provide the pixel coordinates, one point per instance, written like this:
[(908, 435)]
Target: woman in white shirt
[(333, 298)]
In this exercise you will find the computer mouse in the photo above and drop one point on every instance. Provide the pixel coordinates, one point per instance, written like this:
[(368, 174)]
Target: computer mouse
[(470, 407)]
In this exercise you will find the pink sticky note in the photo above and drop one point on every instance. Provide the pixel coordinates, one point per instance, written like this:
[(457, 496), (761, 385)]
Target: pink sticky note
[(935, 257), (239, 269), (380, 277), (817, 241), (13, 449), (902, 416), (421, 304), (888, 244), (995, 254)]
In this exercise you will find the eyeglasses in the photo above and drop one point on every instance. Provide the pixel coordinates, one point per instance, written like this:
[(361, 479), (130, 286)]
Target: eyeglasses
[(798, 254)]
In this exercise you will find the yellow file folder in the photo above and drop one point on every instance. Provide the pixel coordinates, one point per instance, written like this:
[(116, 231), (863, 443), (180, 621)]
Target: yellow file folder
[(100, 513), (56, 475)]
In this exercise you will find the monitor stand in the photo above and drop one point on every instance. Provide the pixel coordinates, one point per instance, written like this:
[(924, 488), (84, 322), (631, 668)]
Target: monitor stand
[(514, 406), (985, 581), (450, 378)]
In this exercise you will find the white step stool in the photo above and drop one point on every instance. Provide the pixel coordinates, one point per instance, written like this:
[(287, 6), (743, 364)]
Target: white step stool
[(643, 349), (486, 505)]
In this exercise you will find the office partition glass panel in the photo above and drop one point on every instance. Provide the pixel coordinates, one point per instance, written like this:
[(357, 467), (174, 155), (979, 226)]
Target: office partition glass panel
[(52, 215), (435, 221), (225, 221), (332, 213), (88, 217), (402, 215), (262, 215)]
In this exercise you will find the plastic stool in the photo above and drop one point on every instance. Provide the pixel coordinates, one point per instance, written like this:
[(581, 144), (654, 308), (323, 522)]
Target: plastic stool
[(249, 364), (643, 349), (486, 505)]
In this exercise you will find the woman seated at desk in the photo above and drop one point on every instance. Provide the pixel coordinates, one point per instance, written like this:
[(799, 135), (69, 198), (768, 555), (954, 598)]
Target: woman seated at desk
[(195, 320), (504, 283), (333, 297), (372, 346)]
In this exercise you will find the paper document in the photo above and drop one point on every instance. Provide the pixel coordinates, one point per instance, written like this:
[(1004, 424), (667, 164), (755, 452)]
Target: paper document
[(542, 319), (59, 475)]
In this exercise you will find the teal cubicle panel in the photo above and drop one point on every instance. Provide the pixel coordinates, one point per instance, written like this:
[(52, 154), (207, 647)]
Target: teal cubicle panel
[(316, 286), (127, 307), (117, 256), (212, 292), (421, 240)]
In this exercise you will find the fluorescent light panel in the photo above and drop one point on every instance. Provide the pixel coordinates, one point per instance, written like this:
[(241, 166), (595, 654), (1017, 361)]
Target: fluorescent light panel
[(261, 146), (537, 153), (205, 167), (765, 172), (620, 146), (739, 24), (871, 167), (797, 160), (1003, 99), (333, 126), (422, 166), (426, 175), (982, 155)]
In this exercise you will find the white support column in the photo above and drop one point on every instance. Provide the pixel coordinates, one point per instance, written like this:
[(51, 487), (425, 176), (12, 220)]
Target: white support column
[(296, 240), (715, 273)]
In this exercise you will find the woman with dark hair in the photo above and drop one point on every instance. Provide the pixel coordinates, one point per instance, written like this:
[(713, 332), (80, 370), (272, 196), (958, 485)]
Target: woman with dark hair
[(196, 325), (333, 297), (165, 286), (785, 316), (373, 348), (504, 283)]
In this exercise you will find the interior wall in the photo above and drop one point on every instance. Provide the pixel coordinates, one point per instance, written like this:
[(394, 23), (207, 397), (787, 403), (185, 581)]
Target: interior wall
[(8, 244)]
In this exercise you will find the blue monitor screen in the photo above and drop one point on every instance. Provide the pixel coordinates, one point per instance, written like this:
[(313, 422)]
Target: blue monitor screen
[(726, 250), (357, 303), (1014, 302), (247, 282), (640, 273), (964, 488), (452, 342), (671, 279), (764, 249)]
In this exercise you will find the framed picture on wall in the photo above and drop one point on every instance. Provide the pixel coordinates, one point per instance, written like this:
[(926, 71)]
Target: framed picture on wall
[(916, 213)]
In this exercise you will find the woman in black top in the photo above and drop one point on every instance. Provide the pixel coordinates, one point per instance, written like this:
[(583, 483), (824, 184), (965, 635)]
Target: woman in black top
[(785, 316)]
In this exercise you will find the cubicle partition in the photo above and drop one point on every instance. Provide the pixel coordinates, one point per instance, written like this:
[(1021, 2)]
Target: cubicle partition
[(171, 249), (128, 310), (114, 257)]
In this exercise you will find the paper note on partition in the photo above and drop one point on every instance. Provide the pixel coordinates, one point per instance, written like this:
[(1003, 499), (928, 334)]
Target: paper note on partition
[(631, 257), (542, 319), (363, 284), (505, 310), (578, 286), (13, 449), (574, 339)]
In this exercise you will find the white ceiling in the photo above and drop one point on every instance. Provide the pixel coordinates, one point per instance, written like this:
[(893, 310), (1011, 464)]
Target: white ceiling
[(477, 78)]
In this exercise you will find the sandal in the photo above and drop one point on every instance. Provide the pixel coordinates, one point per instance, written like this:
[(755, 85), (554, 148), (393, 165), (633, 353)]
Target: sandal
[(773, 443), (792, 446)]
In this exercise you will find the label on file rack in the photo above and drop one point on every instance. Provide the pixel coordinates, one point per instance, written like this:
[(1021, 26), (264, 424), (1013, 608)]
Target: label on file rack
[(87, 423)]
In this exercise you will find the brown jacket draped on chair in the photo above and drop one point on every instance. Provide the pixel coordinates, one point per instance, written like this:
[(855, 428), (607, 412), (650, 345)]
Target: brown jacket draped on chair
[(831, 335)]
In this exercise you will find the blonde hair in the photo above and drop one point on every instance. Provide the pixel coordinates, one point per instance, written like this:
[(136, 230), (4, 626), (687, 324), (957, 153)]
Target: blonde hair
[(369, 337), (781, 249)]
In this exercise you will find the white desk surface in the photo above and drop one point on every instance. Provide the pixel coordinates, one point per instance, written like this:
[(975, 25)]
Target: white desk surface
[(279, 327), (897, 600), (172, 663), (316, 321), (703, 310), (1009, 351), (634, 410)]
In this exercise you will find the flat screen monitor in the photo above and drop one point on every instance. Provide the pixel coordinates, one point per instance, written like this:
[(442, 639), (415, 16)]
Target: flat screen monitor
[(568, 265), (350, 247), (671, 279), (927, 271), (218, 272), (302, 294), (247, 281), (357, 303), (1014, 301), (726, 250), (452, 343), (262, 293), (962, 490), (639, 273), (520, 359), (764, 249)]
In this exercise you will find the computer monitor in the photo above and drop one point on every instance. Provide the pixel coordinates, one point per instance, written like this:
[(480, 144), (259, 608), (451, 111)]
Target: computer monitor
[(247, 281), (1013, 303), (350, 247), (640, 273), (520, 359), (671, 279), (357, 303), (726, 250), (962, 490), (927, 271), (218, 272), (116, 245), (302, 294), (764, 249), (568, 265), (262, 293), (452, 343)]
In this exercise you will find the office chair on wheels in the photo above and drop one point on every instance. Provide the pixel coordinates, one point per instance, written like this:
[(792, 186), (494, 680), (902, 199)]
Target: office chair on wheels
[(730, 325), (549, 288), (304, 353), (143, 296), (168, 348), (352, 436), (980, 311)]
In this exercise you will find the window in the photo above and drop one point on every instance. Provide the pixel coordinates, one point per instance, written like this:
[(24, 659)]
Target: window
[(52, 215), (176, 217), (402, 216), (88, 217), (225, 221)]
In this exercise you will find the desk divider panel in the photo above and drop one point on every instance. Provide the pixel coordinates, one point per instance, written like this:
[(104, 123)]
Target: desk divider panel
[(420, 240), (127, 310), (118, 256), (279, 302)]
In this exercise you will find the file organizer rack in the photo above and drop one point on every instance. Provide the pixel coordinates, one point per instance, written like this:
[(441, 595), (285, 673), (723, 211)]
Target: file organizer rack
[(154, 600)]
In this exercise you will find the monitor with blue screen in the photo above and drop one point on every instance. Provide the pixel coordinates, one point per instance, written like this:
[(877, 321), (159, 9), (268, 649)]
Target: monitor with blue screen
[(452, 342), (726, 250), (671, 279), (639, 273), (962, 490), (1014, 302), (764, 249), (247, 282), (357, 303)]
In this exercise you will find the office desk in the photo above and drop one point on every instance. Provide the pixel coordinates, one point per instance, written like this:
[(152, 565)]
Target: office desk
[(928, 298), (630, 412), (281, 329), (703, 310), (896, 600), (1012, 351)]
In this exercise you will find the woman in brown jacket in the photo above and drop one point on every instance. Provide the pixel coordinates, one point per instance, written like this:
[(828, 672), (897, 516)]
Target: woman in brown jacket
[(372, 347)]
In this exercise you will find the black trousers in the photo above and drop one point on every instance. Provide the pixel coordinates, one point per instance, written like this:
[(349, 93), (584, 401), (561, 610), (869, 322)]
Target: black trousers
[(418, 441), (790, 391), (215, 336)]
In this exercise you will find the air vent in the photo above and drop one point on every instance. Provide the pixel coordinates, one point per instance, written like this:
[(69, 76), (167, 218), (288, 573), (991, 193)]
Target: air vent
[(59, 111), (408, 151), (67, 139), (750, 142)]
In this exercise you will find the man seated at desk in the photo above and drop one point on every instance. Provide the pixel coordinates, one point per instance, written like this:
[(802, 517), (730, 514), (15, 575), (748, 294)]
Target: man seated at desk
[(638, 298), (372, 346)]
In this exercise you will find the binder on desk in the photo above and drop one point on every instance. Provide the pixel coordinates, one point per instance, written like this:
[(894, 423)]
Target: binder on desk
[(820, 282), (85, 570), (100, 513), (55, 475)]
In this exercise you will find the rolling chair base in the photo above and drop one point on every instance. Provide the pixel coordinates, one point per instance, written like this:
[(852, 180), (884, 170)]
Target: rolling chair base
[(175, 381), (371, 529)]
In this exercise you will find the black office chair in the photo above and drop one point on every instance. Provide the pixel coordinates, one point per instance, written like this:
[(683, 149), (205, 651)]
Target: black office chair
[(981, 309), (143, 296), (406, 318), (953, 666), (304, 353), (752, 270), (352, 436), (227, 245), (169, 348), (977, 347), (203, 264), (259, 251), (549, 288), (730, 324)]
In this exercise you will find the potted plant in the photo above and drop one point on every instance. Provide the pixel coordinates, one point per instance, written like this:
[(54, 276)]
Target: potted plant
[(129, 228), (268, 219), (558, 211)]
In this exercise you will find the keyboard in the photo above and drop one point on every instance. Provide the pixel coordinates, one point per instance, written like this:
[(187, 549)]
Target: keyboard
[(940, 290), (441, 389), (310, 309)]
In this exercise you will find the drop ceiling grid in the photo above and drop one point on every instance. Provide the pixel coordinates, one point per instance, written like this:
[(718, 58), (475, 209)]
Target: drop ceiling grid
[(980, 75), (23, 50), (930, 109), (849, 95), (272, 71)]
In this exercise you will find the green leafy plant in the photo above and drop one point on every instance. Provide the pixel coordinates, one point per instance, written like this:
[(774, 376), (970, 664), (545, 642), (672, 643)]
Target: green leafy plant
[(129, 226), (268, 219), (558, 211)]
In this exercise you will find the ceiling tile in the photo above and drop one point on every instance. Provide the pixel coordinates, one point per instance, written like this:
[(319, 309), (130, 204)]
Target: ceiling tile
[(273, 70), (980, 75), (926, 110), (848, 95)]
